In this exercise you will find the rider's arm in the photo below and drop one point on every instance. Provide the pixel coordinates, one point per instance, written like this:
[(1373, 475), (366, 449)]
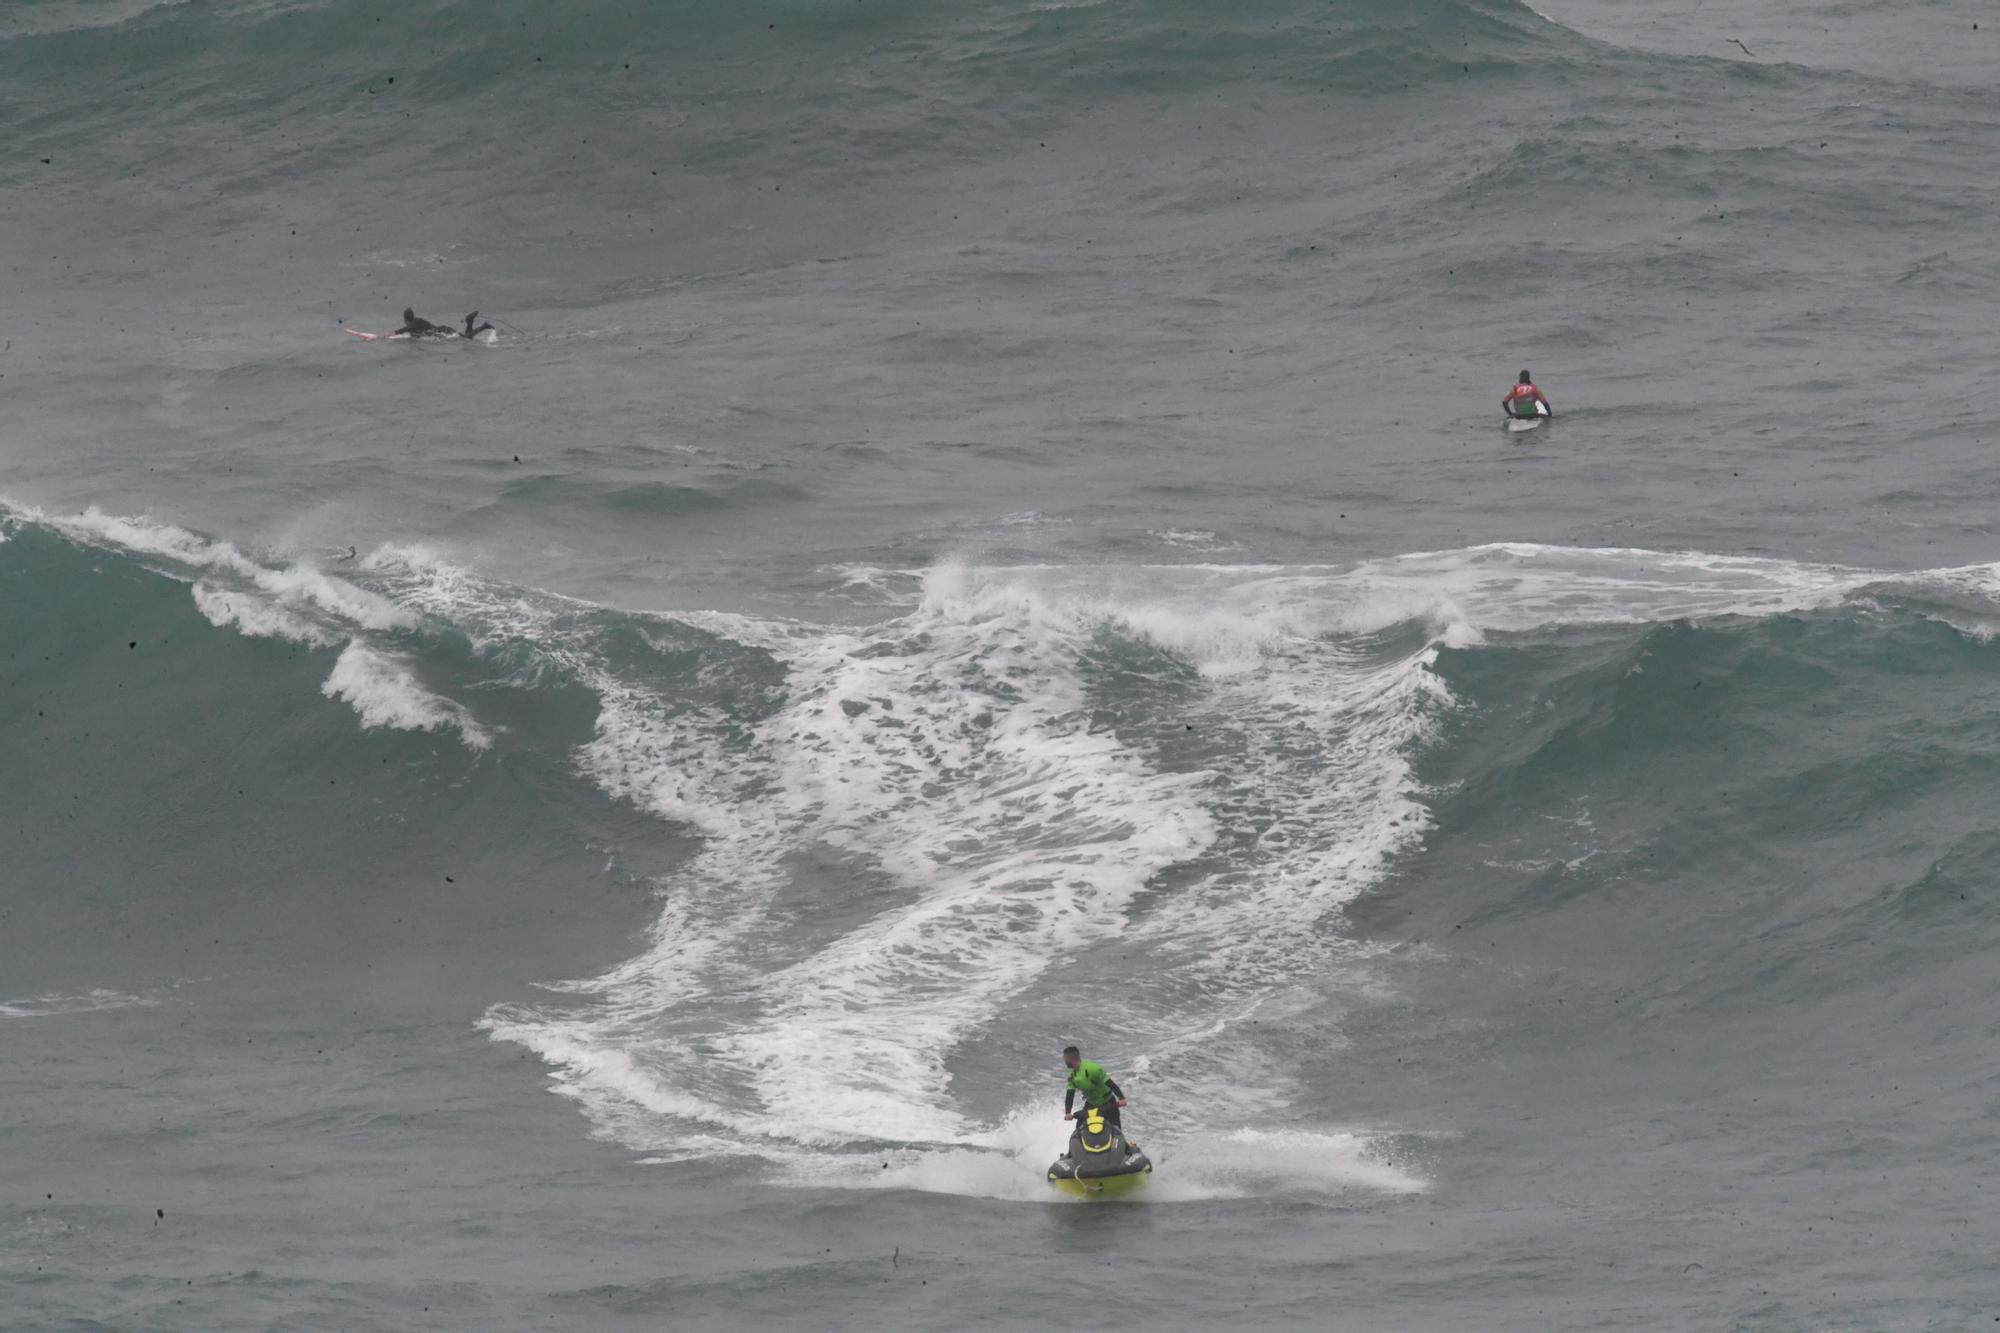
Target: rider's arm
[(1069, 1101), (1116, 1091)]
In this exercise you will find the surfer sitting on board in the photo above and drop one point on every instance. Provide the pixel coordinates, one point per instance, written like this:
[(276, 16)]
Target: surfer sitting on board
[(1098, 1089), (1521, 399), (415, 326)]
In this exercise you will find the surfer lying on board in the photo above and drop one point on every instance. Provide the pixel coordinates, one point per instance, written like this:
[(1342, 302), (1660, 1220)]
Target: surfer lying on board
[(1098, 1089), (1521, 399), (415, 326)]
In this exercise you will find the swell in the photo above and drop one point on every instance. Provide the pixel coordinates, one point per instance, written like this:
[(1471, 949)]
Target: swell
[(892, 839), (214, 798), (808, 89), (1716, 817), (599, 502), (446, 49), (1193, 803)]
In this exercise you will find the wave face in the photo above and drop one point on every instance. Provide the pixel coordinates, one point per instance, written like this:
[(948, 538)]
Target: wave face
[(1188, 813), (624, 123), (984, 526), (461, 48), (854, 69)]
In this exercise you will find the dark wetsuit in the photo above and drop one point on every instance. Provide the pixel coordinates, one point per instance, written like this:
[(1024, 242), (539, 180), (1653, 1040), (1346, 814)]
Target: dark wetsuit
[(415, 326)]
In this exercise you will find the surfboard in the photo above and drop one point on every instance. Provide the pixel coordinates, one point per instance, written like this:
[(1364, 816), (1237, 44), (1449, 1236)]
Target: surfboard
[(485, 338), (1515, 425)]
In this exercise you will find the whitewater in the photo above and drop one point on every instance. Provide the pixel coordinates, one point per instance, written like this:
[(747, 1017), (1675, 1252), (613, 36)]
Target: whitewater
[(986, 527)]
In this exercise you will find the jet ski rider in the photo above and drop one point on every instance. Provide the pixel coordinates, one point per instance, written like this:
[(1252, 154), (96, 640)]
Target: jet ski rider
[(1100, 1092)]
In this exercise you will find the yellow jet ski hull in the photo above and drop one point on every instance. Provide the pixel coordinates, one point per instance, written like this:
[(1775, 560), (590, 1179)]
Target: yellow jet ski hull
[(1102, 1187)]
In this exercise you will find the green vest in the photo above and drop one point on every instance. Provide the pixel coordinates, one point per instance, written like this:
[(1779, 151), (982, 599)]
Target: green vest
[(1090, 1079)]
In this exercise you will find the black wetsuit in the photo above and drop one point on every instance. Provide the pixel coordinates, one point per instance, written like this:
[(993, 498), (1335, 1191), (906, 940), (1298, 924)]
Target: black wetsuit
[(415, 326)]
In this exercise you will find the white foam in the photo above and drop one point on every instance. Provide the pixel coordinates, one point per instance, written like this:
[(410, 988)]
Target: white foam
[(1295, 1161), (295, 602), (1305, 1164), (144, 537), (302, 583), (256, 618), (874, 585), (1220, 622), (1014, 840), (1194, 539), (1967, 597), (993, 826), (52, 1006), (1502, 587), (990, 830), (586, 1071), (1514, 586), (385, 693), (948, 756), (928, 781), (298, 586)]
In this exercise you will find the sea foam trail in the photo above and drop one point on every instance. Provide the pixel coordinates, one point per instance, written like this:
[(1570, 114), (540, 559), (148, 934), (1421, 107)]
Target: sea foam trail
[(947, 760), (947, 826), (1221, 1164), (955, 760)]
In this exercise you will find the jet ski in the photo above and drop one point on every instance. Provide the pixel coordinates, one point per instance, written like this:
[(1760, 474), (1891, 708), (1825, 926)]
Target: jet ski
[(1099, 1163)]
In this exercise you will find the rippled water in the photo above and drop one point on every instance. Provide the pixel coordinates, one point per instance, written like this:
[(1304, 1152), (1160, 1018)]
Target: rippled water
[(986, 527)]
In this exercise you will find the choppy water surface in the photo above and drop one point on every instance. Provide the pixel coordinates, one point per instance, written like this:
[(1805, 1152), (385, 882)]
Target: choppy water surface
[(987, 527)]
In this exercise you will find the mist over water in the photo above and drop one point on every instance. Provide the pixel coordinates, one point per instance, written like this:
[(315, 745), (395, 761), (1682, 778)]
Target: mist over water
[(986, 527)]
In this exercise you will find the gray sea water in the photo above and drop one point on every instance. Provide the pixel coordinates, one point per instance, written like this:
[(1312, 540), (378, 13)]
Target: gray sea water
[(988, 526)]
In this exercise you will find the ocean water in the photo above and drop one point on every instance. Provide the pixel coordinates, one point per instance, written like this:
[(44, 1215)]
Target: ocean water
[(987, 526)]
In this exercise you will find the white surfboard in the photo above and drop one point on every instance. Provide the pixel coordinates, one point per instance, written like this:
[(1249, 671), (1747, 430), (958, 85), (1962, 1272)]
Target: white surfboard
[(1515, 425), (485, 337)]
